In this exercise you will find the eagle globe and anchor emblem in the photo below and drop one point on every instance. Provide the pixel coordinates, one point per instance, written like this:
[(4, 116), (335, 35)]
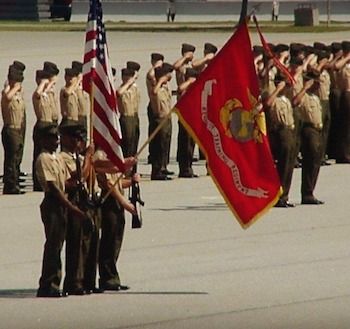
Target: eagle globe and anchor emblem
[(241, 124)]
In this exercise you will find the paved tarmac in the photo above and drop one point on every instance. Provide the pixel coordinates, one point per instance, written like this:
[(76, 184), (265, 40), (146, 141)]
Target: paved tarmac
[(191, 265)]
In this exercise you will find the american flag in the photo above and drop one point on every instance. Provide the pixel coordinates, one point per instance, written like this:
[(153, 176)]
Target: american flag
[(98, 82)]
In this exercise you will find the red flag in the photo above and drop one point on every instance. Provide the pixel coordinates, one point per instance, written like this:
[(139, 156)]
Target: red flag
[(98, 82), (223, 112)]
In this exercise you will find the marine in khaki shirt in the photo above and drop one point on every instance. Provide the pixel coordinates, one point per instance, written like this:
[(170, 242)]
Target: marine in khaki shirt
[(156, 61), (83, 96), (13, 106), (126, 94), (13, 115), (311, 142), (51, 167), (53, 175), (113, 221), (161, 107), (161, 94), (311, 110), (52, 70), (134, 88), (325, 84), (41, 99), (68, 96), (184, 62), (282, 136)]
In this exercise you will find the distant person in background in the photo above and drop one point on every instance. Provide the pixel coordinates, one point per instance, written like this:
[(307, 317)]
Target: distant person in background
[(171, 11), (275, 10)]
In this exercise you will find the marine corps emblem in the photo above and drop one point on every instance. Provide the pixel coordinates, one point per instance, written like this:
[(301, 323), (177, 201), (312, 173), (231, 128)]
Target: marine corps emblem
[(242, 124)]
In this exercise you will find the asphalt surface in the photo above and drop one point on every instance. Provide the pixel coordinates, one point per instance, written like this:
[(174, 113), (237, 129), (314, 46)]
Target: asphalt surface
[(191, 265)]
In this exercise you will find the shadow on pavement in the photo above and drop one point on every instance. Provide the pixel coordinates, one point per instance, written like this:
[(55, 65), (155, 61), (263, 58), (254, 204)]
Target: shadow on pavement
[(18, 293), (209, 207), (159, 292)]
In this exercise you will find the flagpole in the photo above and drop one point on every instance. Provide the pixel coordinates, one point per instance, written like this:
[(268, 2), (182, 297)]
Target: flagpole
[(154, 133), (244, 10), (144, 145), (91, 135)]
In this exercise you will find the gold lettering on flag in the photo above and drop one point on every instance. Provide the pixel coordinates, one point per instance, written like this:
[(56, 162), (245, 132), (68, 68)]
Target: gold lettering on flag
[(206, 92)]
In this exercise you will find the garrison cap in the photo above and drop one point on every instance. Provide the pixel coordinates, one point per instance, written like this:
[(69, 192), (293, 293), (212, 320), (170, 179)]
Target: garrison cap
[(157, 57), (258, 50), (133, 66), (71, 72), (210, 48), (12, 68), (163, 70), (296, 48), (191, 73), (336, 46), (51, 68), (41, 74), (320, 46), (322, 54), (328, 48), (19, 65), (15, 75), (296, 61), (168, 67), (309, 50), (127, 72), (281, 48), (159, 72), (187, 48), (77, 66), (73, 130), (50, 130), (346, 46)]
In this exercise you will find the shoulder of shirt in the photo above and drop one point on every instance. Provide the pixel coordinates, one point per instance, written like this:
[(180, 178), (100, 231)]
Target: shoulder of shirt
[(46, 156), (64, 154)]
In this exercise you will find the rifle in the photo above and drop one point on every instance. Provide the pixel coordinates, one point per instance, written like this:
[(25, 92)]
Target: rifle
[(84, 201), (135, 199)]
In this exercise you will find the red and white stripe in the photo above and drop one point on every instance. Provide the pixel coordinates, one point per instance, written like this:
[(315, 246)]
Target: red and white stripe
[(98, 82)]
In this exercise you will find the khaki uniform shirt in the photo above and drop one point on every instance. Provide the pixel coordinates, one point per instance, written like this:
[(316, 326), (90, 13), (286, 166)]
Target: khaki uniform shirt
[(311, 110), (137, 97), (180, 74), (13, 112), (42, 107), (70, 161), (55, 106), (129, 101), (296, 87), (281, 113), (50, 167), (69, 105), (112, 178), (325, 85), (271, 84), (161, 103), (83, 102), (345, 76)]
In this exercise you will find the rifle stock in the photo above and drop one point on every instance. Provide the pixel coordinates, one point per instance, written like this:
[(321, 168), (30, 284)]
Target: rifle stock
[(135, 199)]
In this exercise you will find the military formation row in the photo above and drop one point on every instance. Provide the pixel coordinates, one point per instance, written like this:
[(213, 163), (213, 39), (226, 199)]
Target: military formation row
[(331, 62), (307, 110)]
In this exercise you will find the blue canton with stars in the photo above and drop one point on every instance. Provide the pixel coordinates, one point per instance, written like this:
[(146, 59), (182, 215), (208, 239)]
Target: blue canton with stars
[(95, 14)]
